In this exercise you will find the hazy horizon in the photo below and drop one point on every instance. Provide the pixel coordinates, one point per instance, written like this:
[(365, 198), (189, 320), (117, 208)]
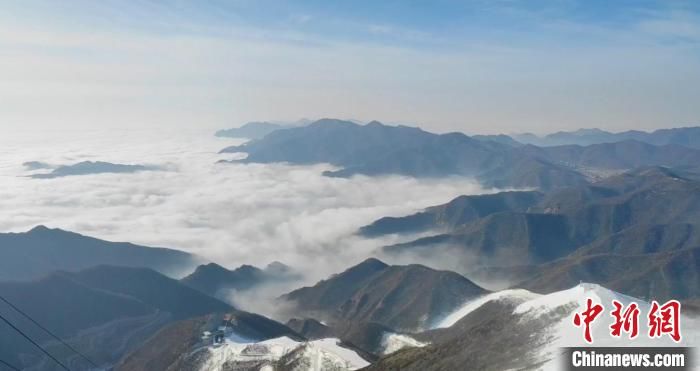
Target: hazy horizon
[(473, 66)]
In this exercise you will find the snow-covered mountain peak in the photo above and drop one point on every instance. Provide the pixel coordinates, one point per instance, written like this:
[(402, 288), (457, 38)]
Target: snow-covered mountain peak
[(555, 312), (573, 298), (548, 320)]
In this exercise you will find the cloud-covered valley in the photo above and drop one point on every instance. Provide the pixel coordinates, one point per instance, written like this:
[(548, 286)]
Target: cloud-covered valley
[(227, 213)]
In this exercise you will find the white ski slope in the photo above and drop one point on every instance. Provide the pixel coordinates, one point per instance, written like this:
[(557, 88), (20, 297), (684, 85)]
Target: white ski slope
[(319, 355)]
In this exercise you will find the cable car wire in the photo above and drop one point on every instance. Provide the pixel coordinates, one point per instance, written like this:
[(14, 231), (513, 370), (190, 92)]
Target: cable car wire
[(8, 365), (34, 343), (49, 332)]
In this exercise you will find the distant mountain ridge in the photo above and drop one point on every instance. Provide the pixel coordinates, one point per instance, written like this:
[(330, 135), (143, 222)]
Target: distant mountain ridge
[(663, 275), (258, 129), (685, 136), (499, 138), (88, 168), (217, 281), (459, 211), (378, 149), (621, 155), (503, 239), (40, 251), (251, 130), (589, 233)]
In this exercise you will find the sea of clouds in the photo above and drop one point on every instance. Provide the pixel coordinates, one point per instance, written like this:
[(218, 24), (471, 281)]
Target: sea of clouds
[(230, 214)]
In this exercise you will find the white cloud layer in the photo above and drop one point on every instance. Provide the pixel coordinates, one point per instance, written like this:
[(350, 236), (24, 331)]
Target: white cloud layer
[(228, 213)]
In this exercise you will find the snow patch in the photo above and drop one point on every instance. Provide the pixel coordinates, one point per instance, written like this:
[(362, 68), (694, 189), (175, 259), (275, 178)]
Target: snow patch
[(319, 354), (516, 295), (575, 296), (331, 347), (392, 342)]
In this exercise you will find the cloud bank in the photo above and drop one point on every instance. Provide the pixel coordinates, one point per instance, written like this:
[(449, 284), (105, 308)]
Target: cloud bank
[(228, 213)]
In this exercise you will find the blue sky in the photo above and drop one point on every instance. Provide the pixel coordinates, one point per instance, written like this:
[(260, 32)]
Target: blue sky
[(475, 66)]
